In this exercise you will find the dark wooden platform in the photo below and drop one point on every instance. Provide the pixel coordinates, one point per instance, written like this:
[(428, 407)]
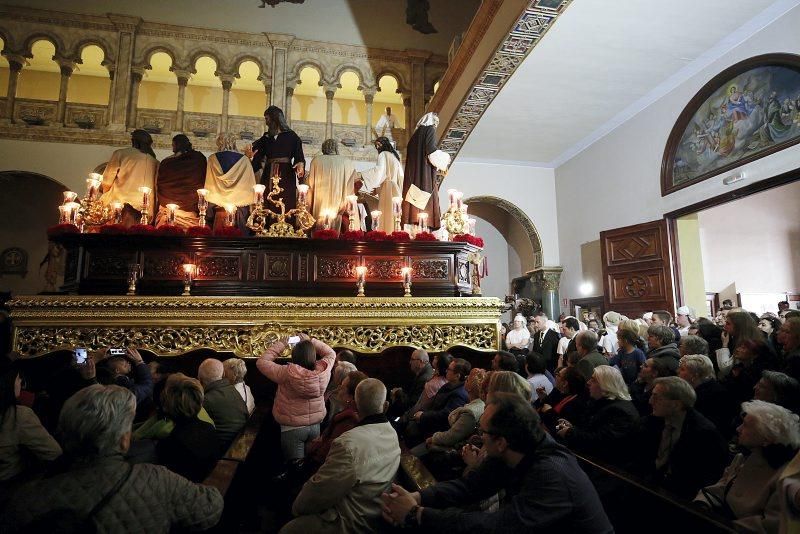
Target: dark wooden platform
[(97, 265)]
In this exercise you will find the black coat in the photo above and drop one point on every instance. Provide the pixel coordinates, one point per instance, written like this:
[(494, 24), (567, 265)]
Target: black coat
[(717, 405), (448, 398), (191, 450), (546, 348), (697, 458), (605, 431), (668, 354)]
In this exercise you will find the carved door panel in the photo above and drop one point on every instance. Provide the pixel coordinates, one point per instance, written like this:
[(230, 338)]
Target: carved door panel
[(637, 269)]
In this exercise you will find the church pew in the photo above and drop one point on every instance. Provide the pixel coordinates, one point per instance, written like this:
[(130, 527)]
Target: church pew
[(415, 476)]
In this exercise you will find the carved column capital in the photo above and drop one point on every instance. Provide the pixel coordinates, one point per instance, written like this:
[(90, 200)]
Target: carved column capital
[(226, 80), (15, 61), (369, 93), (137, 73), (280, 40), (548, 278), (330, 89), (183, 75), (125, 23), (66, 65)]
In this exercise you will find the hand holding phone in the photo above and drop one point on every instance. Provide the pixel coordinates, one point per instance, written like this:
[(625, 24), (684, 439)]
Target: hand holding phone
[(80, 356), (293, 340)]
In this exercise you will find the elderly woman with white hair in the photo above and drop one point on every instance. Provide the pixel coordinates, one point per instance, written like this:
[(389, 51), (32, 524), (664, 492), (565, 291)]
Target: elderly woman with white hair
[(235, 371), (748, 490), (97, 489), (611, 418)]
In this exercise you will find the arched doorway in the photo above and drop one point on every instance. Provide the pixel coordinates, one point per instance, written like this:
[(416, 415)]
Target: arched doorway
[(30, 203)]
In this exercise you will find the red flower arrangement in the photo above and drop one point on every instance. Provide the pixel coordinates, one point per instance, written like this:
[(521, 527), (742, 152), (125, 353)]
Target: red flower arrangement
[(113, 229), (144, 229), (352, 235), (471, 239), (375, 235), (425, 236), (60, 229), (169, 230), (228, 231), (325, 234), (199, 231), (398, 237)]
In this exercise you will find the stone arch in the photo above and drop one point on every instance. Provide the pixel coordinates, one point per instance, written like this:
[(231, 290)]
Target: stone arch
[(349, 67), (402, 86), (300, 65), (8, 39), (148, 53), (518, 215), (241, 58), (102, 44), (58, 44), (205, 52)]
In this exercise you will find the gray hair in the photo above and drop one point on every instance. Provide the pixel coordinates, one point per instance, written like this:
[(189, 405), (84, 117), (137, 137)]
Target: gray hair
[(509, 382), (775, 424), (694, 345), (370, 397), (611, 382), (676, 388), (341, 371), (587, 339), (330, 147), (422, 354), (663, 333), (226, 141), (699, 365), (94, 420), (235, 369), (210, 371)]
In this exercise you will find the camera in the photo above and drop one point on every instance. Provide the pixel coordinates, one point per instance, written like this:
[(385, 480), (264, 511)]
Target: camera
[(294, 340), (80, 356), (117, 351)]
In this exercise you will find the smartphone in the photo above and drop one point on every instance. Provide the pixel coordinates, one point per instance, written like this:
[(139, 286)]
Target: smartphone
[(117, 351), (80, 356), (294, 340)]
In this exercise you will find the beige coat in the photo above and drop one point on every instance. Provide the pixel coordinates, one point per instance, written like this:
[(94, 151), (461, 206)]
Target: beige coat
[(360, 466)]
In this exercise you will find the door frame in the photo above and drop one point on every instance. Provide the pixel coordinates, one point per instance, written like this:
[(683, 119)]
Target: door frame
[(742, 192)]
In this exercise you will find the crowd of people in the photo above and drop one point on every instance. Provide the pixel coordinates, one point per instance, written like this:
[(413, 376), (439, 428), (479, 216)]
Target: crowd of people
[(125, 445)]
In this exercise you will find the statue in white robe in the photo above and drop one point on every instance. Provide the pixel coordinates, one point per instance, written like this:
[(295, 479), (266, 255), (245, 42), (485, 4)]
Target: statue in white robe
[(330, 179), (387, 178), (128, 170)]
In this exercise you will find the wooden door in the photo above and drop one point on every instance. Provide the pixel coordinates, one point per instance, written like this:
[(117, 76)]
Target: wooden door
[(637, 269)]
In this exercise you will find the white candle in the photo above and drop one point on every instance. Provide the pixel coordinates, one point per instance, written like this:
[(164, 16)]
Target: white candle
[(472, 223), (62, 214), (459, 199), (69, 196), (361, 273), (376, 219), (423, 222), (92, 187), (327, 215), (451, 193), (202, 203), (171, 213), (258, 194), (302, 194), (72, 212), (396, 202), (406, 274), (230, 212), (145, 191)]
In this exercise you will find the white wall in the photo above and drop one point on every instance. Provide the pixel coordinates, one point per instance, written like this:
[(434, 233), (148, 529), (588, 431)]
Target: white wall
[(616, 181), (767, 226), (532, 189)]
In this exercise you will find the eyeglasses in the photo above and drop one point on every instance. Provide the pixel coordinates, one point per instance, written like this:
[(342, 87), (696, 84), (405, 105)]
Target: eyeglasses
[(481, 432)]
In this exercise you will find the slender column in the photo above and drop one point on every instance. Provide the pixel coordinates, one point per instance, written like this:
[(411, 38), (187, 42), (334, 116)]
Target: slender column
[(111, 70), (418, 59), (369, 97), (330, 91), (227, 85), (67, 66), (136, 75), (289, 95), (182, 76), (15, 63), (267, 81), (409, 121), (280, 48), (123, 86)]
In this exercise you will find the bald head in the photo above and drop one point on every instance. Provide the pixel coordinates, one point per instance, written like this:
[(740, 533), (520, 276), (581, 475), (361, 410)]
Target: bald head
[(370, 397), (210, 371)]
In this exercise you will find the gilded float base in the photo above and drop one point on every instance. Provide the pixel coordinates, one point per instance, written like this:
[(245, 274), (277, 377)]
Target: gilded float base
[(170, 326)]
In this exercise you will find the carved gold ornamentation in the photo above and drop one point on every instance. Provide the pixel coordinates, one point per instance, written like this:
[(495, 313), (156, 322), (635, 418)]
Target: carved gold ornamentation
[(219, 267), (278, 266), (430, 269), (385, 269), (548, 278), (164, 267), (246, 326), (336, 267)]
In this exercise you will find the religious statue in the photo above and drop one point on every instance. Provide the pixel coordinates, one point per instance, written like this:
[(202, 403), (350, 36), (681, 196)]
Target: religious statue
[(229, 181), (179, 177), (385, 124), (387, 178), (420, 187), (331, 178), (128, 170)]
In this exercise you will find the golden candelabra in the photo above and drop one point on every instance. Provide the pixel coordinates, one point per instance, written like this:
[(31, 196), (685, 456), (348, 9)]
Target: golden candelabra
[(259, 215)]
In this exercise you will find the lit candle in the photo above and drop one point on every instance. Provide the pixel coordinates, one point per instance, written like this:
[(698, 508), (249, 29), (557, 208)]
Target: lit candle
[(451, 193), (230, 212), (471, 226), (189, 272), (327, 215), (202, 202), (145, 191), (72, 212), (396, 202), (258, 194), (69, 196), (376, 219), (302, 194), (459, 199), (361, 273), (423, 222), (406, 274), (92, 187), (171, 214), (62, 214), (117, 209)]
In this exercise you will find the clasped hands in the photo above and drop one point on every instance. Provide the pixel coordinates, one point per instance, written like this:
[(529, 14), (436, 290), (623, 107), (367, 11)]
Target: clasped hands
[(396, 505)]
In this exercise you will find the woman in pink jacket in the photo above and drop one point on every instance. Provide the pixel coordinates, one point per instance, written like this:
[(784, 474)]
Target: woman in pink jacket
[(299, 404)]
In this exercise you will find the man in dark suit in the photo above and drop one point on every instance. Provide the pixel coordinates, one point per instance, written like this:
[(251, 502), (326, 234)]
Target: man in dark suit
[(543, 340), (586, 345), (713, 399), (681, 450)]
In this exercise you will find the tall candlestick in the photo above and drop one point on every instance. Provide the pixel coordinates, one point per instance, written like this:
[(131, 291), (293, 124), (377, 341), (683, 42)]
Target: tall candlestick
[(171, 208), (361, 274), (258, 194), (396, 212), (189, 272), (376, 219), (145, 191), (117, 209), (202, 205), (230, 214), (69, 196), (302, 194), (92, 188), (423, 222), (352, 203), (406, 271), (72, 212), (326, 217), (62, 215)]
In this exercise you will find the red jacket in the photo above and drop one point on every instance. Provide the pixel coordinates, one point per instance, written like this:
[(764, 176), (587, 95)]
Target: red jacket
[(299, 401)]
